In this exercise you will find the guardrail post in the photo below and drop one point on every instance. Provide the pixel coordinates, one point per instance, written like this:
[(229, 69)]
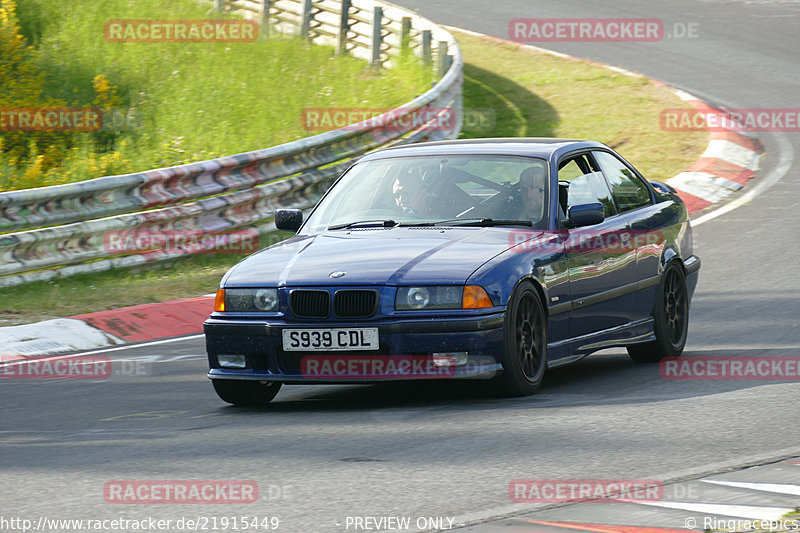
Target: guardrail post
[(448, 63), (427, 48), (405, 36), (265, 7), (442, 59), (377, 36), (344, 27), (305, 26)]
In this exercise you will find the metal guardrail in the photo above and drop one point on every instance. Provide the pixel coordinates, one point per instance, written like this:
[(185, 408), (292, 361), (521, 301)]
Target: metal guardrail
[(240, 191)]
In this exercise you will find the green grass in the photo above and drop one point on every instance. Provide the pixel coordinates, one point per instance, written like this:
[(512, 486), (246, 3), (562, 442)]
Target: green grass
[(190, 101), (530, 94), (534, 94)]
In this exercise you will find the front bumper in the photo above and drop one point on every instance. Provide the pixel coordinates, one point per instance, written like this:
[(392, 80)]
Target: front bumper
[(260, 341)]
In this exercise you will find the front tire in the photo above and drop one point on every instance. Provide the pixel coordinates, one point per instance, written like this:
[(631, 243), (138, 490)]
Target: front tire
[(246, 393), (525, 344), (671, 316)]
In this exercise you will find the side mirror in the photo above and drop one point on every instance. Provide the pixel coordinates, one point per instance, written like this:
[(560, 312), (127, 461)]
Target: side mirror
[(288, 219), (585, 214), (662, 187)]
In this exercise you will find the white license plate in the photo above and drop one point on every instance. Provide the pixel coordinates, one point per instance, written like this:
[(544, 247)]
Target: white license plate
[(326, 340)]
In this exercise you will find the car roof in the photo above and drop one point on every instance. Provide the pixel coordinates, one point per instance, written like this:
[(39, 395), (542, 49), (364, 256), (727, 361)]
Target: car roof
[(542, 147)]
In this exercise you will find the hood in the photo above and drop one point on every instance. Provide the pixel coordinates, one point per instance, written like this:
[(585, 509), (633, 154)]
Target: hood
[(375, 256)]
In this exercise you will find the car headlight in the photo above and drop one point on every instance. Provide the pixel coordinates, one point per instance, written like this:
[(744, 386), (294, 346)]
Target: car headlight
[(436, 297), (246, 300)]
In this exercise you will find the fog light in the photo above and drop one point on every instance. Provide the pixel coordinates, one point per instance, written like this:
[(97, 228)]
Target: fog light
[(232, 361), (450, 358)]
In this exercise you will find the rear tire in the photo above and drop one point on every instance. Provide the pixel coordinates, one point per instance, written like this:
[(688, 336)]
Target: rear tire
[(671, 316), (524, 345), (246, 393)]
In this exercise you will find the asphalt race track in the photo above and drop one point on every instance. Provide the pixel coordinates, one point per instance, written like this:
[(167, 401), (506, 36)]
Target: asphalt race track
[(321, 454)]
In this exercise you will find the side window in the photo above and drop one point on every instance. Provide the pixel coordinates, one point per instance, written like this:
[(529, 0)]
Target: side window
[(627, 189), (571, 170), (584, 184)]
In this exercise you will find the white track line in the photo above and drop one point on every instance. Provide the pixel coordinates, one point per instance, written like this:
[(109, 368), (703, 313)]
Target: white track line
[(143, 344), (780, 488), (101, 351), (752, 512)]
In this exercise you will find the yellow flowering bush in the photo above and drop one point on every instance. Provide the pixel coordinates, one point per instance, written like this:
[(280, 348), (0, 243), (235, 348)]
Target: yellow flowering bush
[(37, 158), (163, 104), (107, 97)]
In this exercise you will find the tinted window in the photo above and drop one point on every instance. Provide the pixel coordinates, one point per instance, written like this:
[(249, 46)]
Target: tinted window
[(586, 184), (627, 189)]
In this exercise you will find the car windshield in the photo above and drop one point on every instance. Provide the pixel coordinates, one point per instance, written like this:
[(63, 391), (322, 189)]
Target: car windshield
[(436, 189)]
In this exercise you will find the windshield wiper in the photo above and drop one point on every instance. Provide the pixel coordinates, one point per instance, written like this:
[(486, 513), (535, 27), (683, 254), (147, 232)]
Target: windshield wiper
[(481, 222), (365, 224), (449, 221)]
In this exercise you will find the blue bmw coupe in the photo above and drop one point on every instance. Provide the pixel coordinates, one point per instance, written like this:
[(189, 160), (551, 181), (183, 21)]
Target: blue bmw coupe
[(489, 259)]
